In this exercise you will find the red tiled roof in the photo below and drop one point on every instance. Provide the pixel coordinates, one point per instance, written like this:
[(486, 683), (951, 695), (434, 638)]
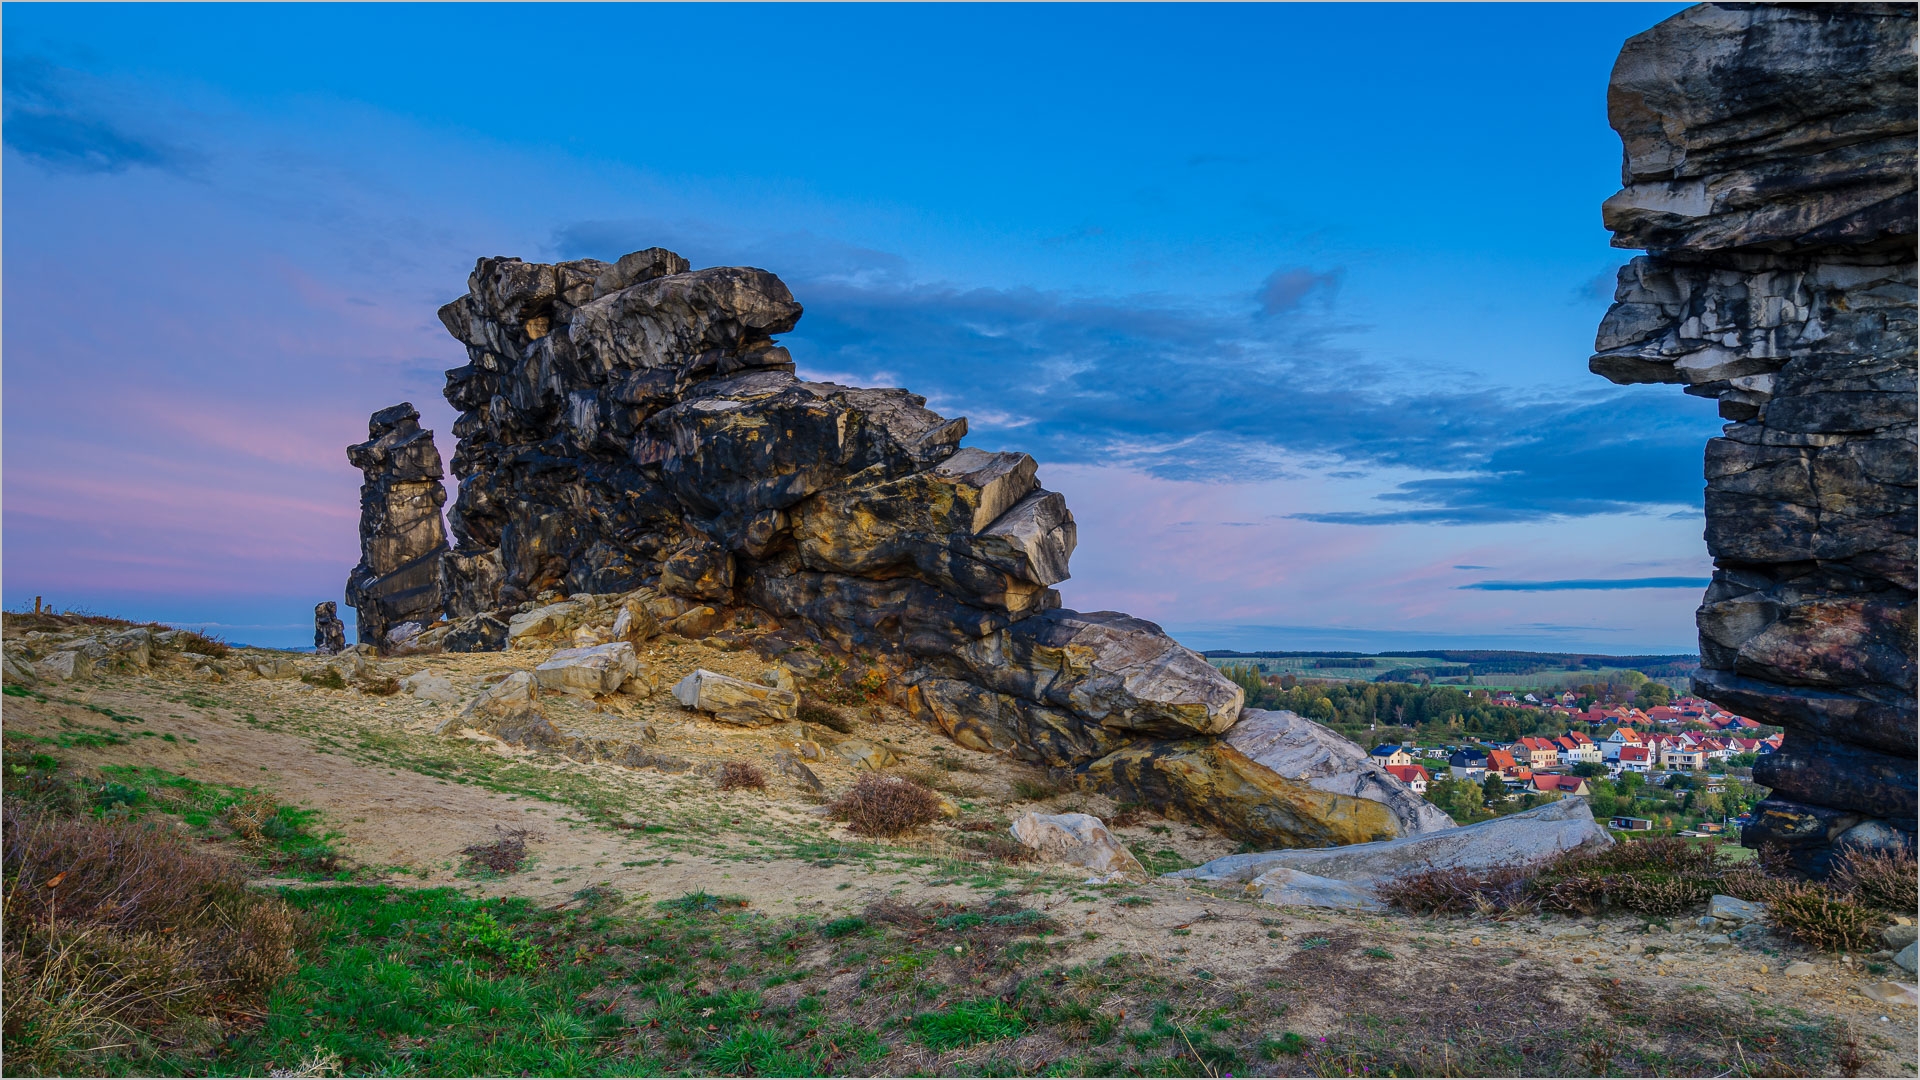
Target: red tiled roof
[(1633, 753), (1499, 760), (1407, 774)]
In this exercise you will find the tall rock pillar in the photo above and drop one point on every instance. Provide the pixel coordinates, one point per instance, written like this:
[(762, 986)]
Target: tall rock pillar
[(1769, 175), (401, 536)]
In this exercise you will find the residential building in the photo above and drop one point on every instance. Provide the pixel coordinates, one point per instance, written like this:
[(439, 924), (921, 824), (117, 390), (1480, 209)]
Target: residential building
[(1678, 755), (1414, 776), (1630, 824), (1550, 783), (1471, 764), (1537, 752), (1391, 755), (1635, 759), (1501, 762)]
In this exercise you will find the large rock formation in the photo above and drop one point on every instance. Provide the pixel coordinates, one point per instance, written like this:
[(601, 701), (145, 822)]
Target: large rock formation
[(1769, 173), (635, 425), (401, 535)]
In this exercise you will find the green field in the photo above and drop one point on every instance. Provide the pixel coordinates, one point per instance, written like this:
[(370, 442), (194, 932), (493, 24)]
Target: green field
[(1450, 672)]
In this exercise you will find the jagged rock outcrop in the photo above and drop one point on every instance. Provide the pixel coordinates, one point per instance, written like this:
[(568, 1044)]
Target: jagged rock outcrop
[(402, 538), (1770, 174), (631, 434)]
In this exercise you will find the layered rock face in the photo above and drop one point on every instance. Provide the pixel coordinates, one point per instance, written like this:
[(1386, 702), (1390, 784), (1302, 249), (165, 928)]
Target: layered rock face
[(635, 425), (401, 536), (1770, 174)]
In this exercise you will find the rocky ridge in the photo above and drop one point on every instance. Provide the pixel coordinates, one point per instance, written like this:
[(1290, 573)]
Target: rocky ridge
[(1770, 174), (637, 456)]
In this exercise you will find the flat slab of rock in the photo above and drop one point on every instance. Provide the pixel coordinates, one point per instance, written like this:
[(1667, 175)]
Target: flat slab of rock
[(1299, 749), (1893, 993), (862, 754), (1283, 887), (1532, 836), (736, 701), (1800, 969), (1076, 839), (427, 686), (1731, 909), (542, 621), (589, 671)]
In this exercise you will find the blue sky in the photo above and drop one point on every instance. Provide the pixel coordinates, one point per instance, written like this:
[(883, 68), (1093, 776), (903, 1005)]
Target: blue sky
[(1293, 302)]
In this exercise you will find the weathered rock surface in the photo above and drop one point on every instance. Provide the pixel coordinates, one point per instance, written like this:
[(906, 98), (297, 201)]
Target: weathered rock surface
[(401, 536), (1285, 887), (589, 672), (1208, 782), (735, 700), (1531, 836), (1770, 164), (510, 709), (427, 686), (329, 633), (1732, 909), (1078, 840), (1299, 749)]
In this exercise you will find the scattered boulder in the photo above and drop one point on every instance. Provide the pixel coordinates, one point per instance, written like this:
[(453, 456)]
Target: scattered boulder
[(1532, 836), (1899, 937), (329, 633), (1284, 887), (1905, 958), (793, 768), (1730, 909), (1800, 969), (1077, 839), (274, 667), (541, 621), (694, 625), (1299, 749), (510, 709), (635, 622), (427, 686), (588, 672), (862, 754), (736, 701), (65, 665), (1892, 993)]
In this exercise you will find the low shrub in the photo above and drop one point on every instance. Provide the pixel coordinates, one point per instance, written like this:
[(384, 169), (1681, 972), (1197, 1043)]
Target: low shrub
[(326, 679), (1887, 880), (120, 934), (1660, 876), (1821, 917), (885, 806), (840, 928), (377, 685), (1498, 892), (505, 855), (194, 641), (737, 775)]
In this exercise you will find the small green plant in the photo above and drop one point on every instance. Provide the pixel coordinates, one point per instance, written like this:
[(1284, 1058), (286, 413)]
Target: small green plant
[(326, 679), (1314, 943), (840, 928), (1377, 953), (1289, 1043), (483, 932), (969, 1022), (701, 902)]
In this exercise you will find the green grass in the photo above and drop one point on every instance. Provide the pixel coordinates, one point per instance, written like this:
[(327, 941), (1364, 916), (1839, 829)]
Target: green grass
[(969, 1022)]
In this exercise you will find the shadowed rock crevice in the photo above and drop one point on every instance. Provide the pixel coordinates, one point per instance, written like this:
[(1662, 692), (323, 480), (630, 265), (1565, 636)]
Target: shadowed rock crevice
[(1770, 172)]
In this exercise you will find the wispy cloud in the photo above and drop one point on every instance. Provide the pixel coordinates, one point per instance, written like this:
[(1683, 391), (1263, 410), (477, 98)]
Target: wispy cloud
[(51, 124), (1582, 584), (1285, 290)]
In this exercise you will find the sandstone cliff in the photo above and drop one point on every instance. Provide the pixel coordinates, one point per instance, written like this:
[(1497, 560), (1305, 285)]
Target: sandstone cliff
[(397, 583), (632, 433), (1769, 173)]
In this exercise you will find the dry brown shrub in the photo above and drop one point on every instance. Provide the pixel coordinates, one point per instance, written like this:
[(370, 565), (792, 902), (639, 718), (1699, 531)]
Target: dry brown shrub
[(1750, 883), (248, 818), (1821, 917), (196, 642), (1501, 891), (894, 912), (377, 685), (1659, 876), (140, 935), (885, 806), (1888, 880), (504, 856), (735, 775)]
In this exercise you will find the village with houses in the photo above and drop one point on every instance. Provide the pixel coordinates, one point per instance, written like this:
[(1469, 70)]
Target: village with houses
[(1621, 758)]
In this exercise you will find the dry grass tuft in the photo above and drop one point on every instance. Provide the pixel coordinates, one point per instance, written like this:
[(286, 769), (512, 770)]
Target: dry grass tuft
[(886, 806), (194, 641), (1822, 918), (736, 775), (1497, 892), (118, 933), (1887, 880)]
